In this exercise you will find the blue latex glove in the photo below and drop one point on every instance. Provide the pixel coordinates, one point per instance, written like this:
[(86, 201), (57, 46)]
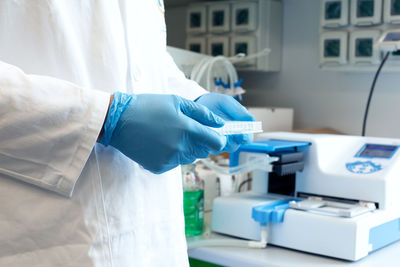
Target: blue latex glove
[(161, 132), (231, 110)]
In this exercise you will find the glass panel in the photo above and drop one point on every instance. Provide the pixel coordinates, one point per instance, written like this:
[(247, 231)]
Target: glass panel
[(365, 8), (218, 18), (217, 49), (333, 10), (332, 48), (395, 7), (195, 20), (377, 151), (364, 47), (195, 48), (241, 48), (242, 16)]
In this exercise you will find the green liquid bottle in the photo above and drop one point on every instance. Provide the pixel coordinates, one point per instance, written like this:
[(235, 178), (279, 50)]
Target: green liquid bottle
[(193, 201)]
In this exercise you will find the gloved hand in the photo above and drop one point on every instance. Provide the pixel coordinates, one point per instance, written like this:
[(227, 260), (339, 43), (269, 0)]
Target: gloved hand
[(161, 132), (231, 110)]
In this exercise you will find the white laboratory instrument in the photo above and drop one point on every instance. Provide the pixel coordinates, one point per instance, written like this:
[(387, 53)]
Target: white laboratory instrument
[(389, 41), (240, 127), (349, 30), (331, 195), (258, 23)]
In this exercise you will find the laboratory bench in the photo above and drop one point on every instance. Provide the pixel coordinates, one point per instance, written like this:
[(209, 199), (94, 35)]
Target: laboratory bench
[(277, 256)]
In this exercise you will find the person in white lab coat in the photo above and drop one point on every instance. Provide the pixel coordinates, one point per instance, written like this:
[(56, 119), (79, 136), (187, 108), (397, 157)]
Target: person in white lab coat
[(66, 200)]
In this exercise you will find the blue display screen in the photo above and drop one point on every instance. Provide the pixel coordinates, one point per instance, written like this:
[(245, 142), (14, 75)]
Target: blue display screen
[(377, 151), (392, 37)]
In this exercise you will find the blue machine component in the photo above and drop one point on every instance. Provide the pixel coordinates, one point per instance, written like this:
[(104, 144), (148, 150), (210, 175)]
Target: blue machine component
[(221, 83), (384, 234), (363, 167), (267, 147), (271, 213)]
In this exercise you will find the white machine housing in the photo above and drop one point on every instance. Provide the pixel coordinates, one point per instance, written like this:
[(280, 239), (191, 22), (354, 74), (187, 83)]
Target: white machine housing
[(389, 41), (337, 167)]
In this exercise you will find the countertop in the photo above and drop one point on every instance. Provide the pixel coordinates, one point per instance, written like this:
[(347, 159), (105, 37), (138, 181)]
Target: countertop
[(277, 256)]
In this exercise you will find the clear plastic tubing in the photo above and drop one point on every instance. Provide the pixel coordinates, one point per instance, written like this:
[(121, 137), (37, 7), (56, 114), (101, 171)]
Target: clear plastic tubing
[(239, 127)]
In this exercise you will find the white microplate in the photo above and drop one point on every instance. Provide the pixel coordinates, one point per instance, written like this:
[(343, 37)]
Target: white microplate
[(240, 127)]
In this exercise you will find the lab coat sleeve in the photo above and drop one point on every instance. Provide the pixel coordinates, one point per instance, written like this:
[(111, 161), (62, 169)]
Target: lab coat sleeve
[(177, 82), (48, 128)]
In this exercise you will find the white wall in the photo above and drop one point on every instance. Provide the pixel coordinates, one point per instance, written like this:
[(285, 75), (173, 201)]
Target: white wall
[(322, 98)]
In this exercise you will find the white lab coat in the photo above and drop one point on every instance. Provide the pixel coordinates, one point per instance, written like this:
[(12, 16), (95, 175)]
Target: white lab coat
[(65, 200)]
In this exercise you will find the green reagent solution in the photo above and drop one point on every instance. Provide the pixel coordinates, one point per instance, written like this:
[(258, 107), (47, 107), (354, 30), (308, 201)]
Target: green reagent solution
[(193, 208)]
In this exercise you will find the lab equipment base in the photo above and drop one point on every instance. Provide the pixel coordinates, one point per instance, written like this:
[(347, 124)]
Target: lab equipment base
[(337, 237)]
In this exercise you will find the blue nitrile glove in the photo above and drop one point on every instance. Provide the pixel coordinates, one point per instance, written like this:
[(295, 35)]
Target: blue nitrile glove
[(231, 110), (161, 132)]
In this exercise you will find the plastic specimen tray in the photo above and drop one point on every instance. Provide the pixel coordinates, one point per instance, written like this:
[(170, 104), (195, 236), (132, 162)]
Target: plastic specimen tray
[(240, 127)]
